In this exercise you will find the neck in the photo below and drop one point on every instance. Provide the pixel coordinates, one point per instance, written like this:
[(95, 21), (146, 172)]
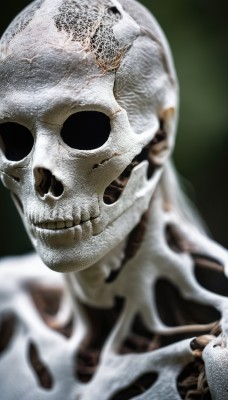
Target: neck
[(123, 272), (134, 299), (98, 284), (136, 268)]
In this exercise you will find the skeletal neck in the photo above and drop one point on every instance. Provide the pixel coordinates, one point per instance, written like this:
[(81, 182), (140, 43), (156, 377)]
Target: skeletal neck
[(125, 271), (90, 286), (106, 280)]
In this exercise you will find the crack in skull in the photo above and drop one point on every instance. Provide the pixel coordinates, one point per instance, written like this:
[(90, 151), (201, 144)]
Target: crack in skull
[(116, 188)]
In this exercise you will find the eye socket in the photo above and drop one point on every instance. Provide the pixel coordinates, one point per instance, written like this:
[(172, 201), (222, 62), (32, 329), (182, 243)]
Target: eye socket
[(86, 130), (16, 141)]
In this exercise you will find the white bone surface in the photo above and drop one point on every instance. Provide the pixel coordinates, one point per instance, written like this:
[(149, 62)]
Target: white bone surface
[(114, 61)]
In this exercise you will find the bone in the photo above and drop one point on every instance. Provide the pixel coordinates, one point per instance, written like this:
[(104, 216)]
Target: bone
[(89, 109)]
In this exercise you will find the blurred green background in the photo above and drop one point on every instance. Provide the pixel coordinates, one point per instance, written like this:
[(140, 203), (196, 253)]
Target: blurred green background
[(198, 34)]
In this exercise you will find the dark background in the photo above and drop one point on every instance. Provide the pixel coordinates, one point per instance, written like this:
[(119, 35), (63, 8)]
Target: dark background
[(198, 33)]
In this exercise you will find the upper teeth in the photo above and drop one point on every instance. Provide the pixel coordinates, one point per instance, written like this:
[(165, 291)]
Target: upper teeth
[(58, 225)]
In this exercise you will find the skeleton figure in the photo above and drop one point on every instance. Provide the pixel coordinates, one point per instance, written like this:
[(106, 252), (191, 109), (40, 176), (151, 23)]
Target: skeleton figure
[(88, 112)]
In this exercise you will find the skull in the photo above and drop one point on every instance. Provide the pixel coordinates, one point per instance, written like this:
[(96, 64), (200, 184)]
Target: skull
[(87, 122)]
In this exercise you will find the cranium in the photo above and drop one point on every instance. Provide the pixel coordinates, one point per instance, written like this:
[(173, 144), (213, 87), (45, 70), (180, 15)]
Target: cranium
[(80, 121), (89, 102)]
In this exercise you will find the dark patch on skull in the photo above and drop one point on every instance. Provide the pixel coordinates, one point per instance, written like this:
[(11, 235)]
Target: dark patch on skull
[(21, 22), (141, 385), (43, 375), (142, 340), (114, 10), (48, 183), (7, 328), (15, 178), (16, 141), (47, 302), (91, 24), (192, 383), (115, 189), (174, 310), (86, 130), (101, 323), (135, 239)]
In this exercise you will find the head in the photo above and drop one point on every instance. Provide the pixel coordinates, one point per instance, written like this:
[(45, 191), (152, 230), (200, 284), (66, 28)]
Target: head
[(88, 114)]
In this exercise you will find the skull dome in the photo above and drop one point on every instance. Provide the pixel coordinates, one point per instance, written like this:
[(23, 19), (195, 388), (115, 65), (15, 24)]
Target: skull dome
[(88, 110)]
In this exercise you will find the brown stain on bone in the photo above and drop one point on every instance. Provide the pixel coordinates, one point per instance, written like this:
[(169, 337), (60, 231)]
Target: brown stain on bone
[(44, 377), (134, 241), (139, 386), (47, 301), (7, 330), (192, 383)]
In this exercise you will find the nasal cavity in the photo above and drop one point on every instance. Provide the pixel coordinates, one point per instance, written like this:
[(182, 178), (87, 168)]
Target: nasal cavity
[(46, 183)]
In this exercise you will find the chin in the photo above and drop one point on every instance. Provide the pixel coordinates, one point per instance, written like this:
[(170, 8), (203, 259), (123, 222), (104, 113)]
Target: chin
[(78, 256)]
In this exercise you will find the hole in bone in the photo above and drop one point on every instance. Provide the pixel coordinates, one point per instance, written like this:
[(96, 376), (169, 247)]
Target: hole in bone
[(161, 134), (43, 375), (114, 10), (87, 130), (16, 141), (176, 240), (176, 311), (57, 188), (142, 340), (134, 241), (192, 383), (48, 183), (101, 323), (139, 386), (136, 237), (115, 189), (7, 329), (48, 301), (209, 273)]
